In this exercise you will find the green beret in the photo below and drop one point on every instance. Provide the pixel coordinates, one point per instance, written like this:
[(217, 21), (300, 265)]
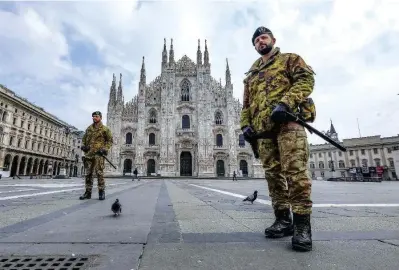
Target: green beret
[(96, 113)]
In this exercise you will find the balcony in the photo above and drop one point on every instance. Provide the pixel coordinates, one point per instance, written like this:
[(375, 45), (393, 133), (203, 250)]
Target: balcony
[(186, 132), (128, 147), (152, 147), (220, 147)]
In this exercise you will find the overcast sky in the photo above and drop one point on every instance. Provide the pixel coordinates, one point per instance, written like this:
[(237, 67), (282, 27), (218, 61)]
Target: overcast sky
[(61, 56)]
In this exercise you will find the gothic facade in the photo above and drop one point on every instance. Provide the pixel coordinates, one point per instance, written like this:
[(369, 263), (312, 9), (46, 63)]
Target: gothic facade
[(183, 123)]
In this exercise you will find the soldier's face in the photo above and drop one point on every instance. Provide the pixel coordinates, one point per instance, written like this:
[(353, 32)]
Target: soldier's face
[(96, 118), (264, 44)]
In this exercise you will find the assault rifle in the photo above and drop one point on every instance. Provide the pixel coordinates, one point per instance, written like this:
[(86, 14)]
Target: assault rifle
[(298, 120), (105, 157)]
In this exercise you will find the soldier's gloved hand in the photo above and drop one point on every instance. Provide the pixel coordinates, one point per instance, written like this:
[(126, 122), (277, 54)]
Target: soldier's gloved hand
[(102, 151), (248, 133), (279, 114), (85, 148)]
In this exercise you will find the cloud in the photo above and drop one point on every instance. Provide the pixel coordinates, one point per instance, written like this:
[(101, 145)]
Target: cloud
[(61, 55)]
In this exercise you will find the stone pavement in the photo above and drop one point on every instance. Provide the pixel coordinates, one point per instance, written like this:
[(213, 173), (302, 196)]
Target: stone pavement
[(192, 224)]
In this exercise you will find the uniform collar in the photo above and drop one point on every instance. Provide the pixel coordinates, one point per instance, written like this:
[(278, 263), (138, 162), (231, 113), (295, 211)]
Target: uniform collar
[(258, 64), (100, 124)]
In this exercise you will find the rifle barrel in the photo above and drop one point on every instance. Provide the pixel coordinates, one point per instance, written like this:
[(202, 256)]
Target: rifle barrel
[(323, 136)]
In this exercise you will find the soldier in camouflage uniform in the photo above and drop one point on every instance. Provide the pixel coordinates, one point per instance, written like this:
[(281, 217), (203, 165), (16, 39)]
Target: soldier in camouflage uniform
[(279, 82), (96, 141)]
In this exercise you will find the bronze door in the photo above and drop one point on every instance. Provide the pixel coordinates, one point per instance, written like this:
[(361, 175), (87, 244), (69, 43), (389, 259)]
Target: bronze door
[(186, 164), (220, 168)]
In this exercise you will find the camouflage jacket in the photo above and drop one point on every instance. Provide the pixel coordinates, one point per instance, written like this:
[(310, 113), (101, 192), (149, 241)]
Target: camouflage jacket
[(97, 138), (285, 77)]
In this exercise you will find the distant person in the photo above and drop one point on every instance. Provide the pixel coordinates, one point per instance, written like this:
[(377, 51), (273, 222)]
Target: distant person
[(234, 176), (136, 173), (97, 141)]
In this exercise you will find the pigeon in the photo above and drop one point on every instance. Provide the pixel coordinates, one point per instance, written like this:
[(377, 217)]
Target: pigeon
[(251, 198), (116, 207)]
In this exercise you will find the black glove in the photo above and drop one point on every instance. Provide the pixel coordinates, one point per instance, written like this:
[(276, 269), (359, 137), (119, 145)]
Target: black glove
[(248, 133), (102, 152), (279, 114), (85, 148)]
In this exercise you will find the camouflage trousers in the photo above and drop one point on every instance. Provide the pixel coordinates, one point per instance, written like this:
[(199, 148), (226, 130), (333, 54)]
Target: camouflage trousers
[(285, 163), (95, 166)]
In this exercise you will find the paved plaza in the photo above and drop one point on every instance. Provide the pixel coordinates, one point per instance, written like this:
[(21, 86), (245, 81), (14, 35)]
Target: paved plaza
[(191, 224)]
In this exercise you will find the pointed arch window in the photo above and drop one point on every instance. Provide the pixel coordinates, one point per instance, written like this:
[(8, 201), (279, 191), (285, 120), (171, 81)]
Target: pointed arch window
[(218, 118), (185, 90), (153, 117)]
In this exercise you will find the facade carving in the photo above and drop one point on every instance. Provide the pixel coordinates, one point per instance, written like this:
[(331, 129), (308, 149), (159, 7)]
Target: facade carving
[(183, 123), (34, 142), (372, 156)]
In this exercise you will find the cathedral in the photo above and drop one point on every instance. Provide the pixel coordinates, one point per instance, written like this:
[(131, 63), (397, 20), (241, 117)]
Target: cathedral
[(184, 123)]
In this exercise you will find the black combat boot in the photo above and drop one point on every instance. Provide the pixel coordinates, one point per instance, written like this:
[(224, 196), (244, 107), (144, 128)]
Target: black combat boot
[(302, 239), (101, 195), (86, 195), (282, 226)]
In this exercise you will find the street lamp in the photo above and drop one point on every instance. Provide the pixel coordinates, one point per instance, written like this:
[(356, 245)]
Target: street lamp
[(63, 174)]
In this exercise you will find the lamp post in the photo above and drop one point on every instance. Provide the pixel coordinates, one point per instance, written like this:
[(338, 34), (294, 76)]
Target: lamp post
[(63, 173)]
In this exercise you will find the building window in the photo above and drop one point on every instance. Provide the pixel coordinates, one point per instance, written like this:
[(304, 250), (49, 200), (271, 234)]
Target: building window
[(129, 138), (341, 164), (219, 140), (218, 118), (391, 164), (153, 117), (377, 162), (241, 141), (185, 122), (185, 90), (151, 139), (353, 163)]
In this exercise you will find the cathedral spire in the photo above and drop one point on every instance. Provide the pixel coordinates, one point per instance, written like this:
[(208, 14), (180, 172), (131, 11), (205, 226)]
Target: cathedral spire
[(199, 54), (164, 54), (142, 73), (112, 92), (332, 133), (171, 53), (332, 128), (206, 55), (228, 75), (120, 91)]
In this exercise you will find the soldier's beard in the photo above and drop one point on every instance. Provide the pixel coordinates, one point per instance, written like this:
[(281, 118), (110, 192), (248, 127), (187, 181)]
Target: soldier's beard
[(266, 49)]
